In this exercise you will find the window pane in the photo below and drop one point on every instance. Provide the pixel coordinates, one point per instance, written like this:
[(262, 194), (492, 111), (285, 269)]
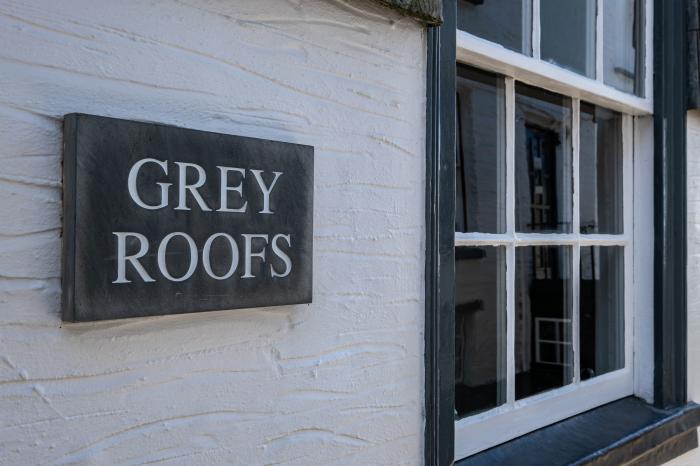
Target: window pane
[(623, 49), (600, 170), (506, 22), (480, 326), (568, 34), (543, 309), (543, 177), (480, 154), (602, 321)]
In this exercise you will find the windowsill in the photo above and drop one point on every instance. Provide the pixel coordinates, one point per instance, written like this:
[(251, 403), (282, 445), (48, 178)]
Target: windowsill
[(624, 431)]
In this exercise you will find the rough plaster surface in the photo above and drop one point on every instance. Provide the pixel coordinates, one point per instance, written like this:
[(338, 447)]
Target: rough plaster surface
[(336, 382), (692, 458)]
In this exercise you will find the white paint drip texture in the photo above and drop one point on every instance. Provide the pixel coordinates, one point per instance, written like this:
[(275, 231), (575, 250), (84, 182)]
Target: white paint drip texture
[(339, 381)]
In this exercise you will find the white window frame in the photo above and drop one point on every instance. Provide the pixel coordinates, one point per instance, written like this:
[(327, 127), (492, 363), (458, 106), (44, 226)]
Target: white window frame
[(517, 417)]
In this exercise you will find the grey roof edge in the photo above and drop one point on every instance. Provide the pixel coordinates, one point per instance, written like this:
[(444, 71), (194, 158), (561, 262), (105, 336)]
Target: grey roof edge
[(428, 12)]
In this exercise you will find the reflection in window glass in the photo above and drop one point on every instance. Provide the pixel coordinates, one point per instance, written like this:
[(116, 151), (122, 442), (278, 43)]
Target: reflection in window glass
[(602, 334), (600, 170), (568, 34), (543, 319), (543, 175), (506, 22), (480, 329), (480, 178), (623, 39)]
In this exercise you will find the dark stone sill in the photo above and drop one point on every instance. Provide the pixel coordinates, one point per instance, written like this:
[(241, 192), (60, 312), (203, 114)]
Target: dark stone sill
[(627, 431)]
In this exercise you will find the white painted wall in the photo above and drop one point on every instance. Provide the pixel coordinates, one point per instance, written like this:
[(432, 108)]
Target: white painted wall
[(336, 382), (692, 458)]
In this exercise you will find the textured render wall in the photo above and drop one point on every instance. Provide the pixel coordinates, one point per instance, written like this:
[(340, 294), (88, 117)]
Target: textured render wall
[(692, 458), (694, 256), (335, 382)]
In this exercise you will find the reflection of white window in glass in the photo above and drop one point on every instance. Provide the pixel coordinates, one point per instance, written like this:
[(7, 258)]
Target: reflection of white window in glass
[(552, 341), (549, 146)]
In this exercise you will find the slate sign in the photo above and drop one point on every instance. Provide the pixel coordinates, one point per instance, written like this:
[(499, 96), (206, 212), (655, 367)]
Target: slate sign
[(164, 220)]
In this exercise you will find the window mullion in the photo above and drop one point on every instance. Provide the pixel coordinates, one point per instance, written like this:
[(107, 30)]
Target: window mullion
[(510, 156), (536, 30), (510, 324), (575, 146), (576, 222), (649, 50), (510, 249), (599, 41)]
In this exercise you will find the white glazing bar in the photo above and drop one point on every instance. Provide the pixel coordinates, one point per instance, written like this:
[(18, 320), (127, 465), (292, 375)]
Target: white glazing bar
[(510, 155), (575, 149), (534, 239), (599, 41), (605, 240), (576, 317), (482, 239), (510, 325), (536, 30), (649, 51), (510, 232), (576, 252)]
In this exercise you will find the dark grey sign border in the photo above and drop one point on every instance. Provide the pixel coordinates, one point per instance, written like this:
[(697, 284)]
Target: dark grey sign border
[(70, 166)]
